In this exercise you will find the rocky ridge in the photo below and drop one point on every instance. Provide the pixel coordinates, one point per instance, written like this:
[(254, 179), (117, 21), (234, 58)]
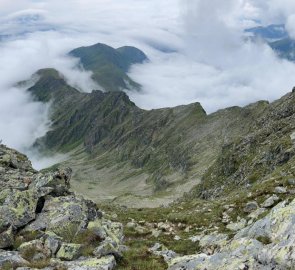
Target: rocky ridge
[(266, 244), (46, 226)]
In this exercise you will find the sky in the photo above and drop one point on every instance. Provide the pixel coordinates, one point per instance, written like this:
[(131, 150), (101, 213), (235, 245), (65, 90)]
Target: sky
[(196, 48)]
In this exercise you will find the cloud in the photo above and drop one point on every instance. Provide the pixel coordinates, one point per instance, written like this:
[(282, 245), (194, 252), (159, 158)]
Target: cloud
[(23, 120), (215, 65)]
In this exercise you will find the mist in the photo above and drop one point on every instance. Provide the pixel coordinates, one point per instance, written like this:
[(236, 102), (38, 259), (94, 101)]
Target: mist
[(215, 65), (197, 52)]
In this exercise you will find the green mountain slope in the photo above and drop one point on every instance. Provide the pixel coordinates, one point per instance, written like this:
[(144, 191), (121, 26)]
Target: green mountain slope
[(109, 65), (267, 151), (148, 157)]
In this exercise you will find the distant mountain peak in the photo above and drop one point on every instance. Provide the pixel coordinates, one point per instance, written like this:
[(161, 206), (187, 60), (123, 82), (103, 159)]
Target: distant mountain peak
[(109, 65)]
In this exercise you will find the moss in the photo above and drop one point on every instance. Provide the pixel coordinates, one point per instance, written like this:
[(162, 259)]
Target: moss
[(264, 240), (7, 266)]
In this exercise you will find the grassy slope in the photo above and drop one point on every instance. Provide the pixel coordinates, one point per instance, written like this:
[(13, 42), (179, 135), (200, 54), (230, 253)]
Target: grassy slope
[(249, 159), (109, 65)]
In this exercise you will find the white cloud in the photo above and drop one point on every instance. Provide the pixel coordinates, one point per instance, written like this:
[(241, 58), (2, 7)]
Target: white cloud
[(216, 66)]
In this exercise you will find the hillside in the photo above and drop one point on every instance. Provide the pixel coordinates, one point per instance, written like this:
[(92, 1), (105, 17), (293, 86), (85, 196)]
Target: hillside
[(109, 65), (147, 157)]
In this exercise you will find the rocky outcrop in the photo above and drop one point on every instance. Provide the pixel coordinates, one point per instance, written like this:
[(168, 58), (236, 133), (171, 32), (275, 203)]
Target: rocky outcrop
[(266, 244), (44, 225)]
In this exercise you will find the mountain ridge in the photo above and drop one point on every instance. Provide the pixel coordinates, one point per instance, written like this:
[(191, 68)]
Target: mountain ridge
[(167, 148)]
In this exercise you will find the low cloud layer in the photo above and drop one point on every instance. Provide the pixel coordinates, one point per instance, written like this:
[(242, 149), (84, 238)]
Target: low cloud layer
[(197, 52), (215, 65)]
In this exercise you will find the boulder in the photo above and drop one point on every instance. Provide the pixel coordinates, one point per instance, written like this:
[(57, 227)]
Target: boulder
[(107, 248), (65, 216), (250, 207), (59, 181), (162, 251), (11, 258), (7, 238), (34, 250), (280, 190), (237, 226), (18, 208), (52, 242), (291, 181), (69, 252), (215, 239), (105, 263), (270, 201)]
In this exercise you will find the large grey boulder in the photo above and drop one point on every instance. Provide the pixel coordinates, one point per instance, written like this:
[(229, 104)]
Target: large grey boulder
[(266, 244), (65, 216), (48, 222)]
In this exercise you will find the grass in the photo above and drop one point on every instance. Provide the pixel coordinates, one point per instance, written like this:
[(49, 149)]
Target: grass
[(138, 257), (24, 237)]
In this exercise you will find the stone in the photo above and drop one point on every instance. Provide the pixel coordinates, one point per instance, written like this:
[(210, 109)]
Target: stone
[(189, 262), (166, 227), (40, 206), (69, 252), (156, 233), (280, 190), (256, 213), (114, 230), (107, 248), (291, 181), (36, 246), (270, 201), (97, 228), (131, 225), (105, 263), (162, 251), (11, 257), (63, 216), (141, 229), (7, 238), (250, 207), (177, 238), (237, 226), (18, 208), (59, 181), (196, 238), (53, 243), (215, 239)]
